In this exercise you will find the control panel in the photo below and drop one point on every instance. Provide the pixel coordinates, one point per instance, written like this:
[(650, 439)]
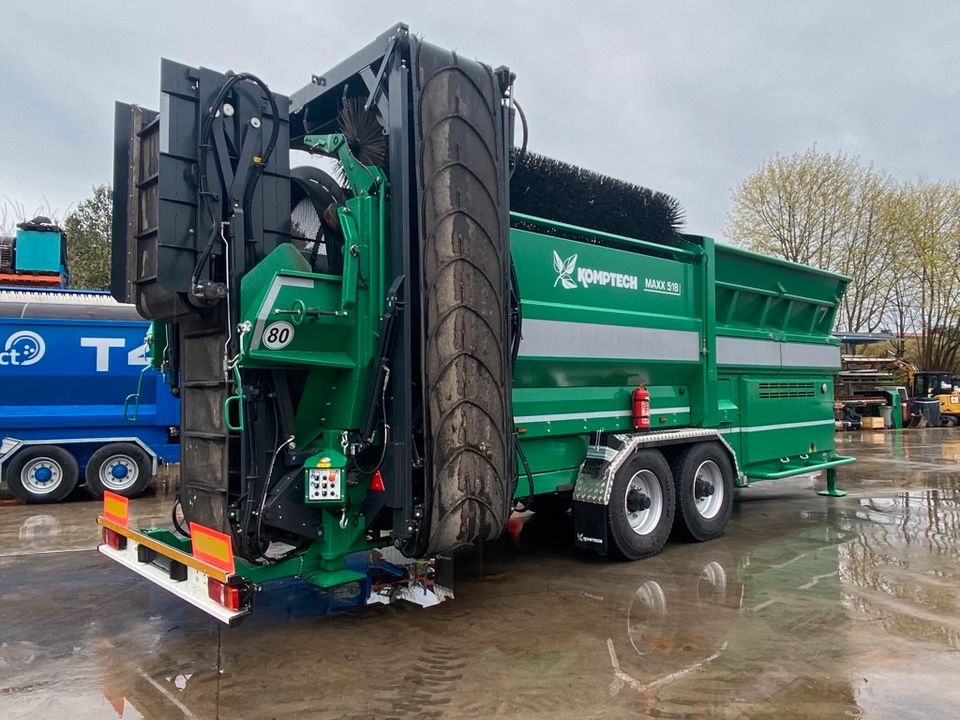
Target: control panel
[(323, 484)]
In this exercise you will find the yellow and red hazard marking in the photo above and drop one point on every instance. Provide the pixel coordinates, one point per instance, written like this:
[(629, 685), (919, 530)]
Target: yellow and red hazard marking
[(116, 508), (210, 546)]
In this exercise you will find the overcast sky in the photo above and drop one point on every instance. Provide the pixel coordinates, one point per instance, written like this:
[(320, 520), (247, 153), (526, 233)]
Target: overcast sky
[(684, 97)]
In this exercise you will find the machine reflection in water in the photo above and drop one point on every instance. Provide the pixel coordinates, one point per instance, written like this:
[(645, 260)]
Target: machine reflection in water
[(784, 621)]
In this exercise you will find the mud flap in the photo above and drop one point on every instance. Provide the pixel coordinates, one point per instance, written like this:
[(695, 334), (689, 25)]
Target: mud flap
[(590, 527)]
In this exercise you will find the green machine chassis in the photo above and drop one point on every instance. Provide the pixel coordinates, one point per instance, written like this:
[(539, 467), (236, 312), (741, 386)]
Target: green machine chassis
[(747, 364), (723, 339), (729, 355)]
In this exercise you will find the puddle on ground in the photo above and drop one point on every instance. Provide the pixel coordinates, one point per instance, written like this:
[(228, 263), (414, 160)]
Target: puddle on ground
[(807, 607)]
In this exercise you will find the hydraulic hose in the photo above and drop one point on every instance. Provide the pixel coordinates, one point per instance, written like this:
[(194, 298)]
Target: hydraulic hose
[(205, 147)]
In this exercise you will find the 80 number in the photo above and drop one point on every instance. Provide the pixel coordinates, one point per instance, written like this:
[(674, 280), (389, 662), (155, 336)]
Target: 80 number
[(278, 335)]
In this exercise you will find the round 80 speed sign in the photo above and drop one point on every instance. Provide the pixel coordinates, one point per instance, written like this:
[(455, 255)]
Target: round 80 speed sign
[(277, 335)]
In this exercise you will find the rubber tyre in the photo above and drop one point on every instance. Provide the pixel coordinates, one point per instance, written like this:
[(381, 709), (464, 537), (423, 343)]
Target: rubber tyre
[(64, 459), (464, 237), (312, 184), (691, 524), (143, 461), (316, 185), (624, 542)]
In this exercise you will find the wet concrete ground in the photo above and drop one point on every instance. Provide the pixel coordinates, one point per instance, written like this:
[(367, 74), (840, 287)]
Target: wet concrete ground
[(808, 607)]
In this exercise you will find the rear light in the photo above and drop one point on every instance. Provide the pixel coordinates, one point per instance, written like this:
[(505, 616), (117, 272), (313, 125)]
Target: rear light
[(114, 539), (227, 596)]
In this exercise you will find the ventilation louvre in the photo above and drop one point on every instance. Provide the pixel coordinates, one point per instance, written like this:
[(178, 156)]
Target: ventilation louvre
[(779, 390)]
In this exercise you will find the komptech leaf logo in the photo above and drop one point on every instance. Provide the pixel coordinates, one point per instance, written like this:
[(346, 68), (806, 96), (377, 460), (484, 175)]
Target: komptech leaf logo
[(564, 270)]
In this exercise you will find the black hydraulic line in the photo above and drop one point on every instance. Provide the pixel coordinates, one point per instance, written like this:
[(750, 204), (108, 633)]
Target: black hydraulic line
[(243, 198), (248, 500), (516, 314), (215, 108), (257, 551), (389, 327), (314, 186), (283, 426), (516, 323), (522, 152), (205, 146), (375, 407), (384, 440), (315, 251), (173, 516), (266, 491), (526, 468)]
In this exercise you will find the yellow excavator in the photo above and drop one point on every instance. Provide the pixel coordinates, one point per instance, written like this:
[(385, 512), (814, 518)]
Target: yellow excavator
[(922, 387), (939, 385), (942, 386)]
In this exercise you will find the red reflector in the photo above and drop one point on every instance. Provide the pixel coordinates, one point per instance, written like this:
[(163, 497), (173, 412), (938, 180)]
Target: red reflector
[(114, 539), (211, 546), (227, 596), (116, 508), (376, 482)]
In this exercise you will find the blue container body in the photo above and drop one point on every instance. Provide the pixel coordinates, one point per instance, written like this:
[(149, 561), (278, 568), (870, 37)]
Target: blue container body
[(66, 379)]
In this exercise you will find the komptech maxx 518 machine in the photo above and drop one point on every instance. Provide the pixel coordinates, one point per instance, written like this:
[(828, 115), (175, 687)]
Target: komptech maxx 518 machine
[(375, 369)]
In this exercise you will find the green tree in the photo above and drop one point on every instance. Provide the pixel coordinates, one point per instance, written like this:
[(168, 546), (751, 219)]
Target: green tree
[(88, 230), (828, 211)]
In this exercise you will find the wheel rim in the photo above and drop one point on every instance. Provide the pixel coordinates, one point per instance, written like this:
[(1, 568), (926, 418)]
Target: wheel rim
[(708, 489), (647, 609), (643, 502), (118, 472), (712, 584), (41, 476)]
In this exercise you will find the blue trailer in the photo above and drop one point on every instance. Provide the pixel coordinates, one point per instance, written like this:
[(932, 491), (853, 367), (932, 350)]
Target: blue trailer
[(68, 361)]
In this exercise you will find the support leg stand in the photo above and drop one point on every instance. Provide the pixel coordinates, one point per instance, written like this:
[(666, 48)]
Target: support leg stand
[(831, 490)]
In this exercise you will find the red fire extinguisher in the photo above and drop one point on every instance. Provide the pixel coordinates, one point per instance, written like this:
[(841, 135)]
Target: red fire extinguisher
[(641, 408)]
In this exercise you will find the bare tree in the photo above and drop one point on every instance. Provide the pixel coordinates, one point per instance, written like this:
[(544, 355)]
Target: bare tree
[(930, 237), (867, 251), (14, 212), (828, 211), (794, 207), (899, 243), (11, 213)]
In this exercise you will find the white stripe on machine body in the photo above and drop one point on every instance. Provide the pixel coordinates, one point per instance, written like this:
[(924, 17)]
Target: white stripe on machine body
[(562, 339), (559, 338), (779, 426), (795, 354), (741, 351), (773, 353), (559, 417), (271, 297)]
